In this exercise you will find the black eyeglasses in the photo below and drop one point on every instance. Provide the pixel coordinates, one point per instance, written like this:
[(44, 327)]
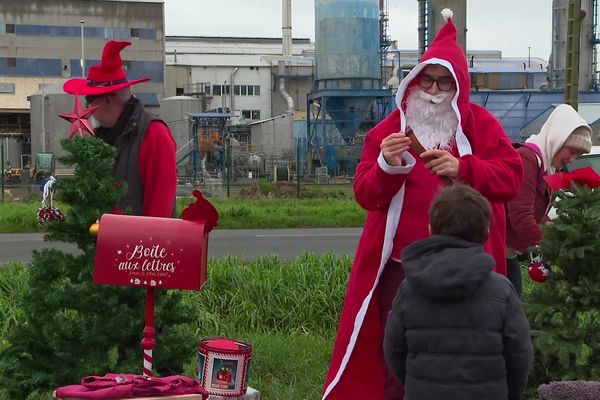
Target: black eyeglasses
[(444, 83)]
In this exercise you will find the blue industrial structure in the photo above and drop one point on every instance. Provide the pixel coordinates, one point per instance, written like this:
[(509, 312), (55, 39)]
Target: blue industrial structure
[(331, 132), (348, 98), (515, 109), (201, 127), (347, 45), (347, 82)]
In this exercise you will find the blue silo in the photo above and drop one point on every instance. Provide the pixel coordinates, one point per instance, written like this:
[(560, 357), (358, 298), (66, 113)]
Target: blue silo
[(347, 57), (347, 81), (347, 44)]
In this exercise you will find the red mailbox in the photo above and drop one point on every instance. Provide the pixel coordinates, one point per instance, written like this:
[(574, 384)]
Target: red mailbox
[(151, 252)]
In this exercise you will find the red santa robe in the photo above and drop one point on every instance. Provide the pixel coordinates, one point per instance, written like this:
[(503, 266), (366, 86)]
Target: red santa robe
[(398, 200)]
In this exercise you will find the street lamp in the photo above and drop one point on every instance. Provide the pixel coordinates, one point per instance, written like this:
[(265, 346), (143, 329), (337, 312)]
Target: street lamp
[(529, 57), (82, 51)]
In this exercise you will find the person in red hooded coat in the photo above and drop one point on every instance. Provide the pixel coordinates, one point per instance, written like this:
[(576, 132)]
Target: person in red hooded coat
[(396, 183)]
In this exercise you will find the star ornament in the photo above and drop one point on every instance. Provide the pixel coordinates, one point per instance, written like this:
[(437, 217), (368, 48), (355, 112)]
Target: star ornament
[(79, 119)]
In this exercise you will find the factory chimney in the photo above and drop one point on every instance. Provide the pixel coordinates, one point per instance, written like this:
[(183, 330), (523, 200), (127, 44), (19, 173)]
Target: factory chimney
[(286, 41), (287, 28)]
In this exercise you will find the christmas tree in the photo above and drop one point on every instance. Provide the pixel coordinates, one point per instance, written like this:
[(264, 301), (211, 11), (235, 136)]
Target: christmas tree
[(564, 312), (70, 327)]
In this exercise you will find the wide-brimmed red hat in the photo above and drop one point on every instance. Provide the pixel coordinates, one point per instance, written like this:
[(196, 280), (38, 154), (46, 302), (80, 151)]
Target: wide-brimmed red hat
[(106, 77)]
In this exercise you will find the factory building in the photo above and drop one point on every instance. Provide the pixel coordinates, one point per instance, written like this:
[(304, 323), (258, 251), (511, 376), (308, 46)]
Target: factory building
[(43, 43), (279, 102)]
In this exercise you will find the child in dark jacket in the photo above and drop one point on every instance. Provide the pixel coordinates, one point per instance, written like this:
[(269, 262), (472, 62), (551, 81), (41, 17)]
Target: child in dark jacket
[(456, 330)]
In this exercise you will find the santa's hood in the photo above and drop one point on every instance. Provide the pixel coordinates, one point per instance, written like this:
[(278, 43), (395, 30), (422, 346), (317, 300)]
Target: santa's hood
[(445, 51)]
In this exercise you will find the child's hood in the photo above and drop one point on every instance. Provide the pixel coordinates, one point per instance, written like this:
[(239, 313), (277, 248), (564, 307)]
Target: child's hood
[(446, 267)]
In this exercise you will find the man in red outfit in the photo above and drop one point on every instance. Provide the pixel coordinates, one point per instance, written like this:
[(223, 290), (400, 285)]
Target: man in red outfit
[(121, 120), (396, 183)]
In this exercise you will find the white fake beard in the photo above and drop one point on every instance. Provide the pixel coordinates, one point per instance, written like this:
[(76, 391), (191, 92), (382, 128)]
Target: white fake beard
[(431, 118)]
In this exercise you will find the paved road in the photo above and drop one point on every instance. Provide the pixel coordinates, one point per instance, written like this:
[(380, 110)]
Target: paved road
[(246, 243)]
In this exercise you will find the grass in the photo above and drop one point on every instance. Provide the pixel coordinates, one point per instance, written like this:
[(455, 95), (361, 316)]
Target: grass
[(288, 213), (270, 295), (290, 367), (287, 309), (19, 217), (233, 214), (13, 282)]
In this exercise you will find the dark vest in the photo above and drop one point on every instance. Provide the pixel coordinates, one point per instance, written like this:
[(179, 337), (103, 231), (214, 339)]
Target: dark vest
[(126, 164)]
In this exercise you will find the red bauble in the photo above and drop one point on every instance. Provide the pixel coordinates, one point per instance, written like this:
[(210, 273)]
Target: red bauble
[(538, 271), (49, 214)]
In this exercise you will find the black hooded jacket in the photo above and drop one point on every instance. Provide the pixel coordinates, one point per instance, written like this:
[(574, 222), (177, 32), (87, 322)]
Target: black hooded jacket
[(456, 329)]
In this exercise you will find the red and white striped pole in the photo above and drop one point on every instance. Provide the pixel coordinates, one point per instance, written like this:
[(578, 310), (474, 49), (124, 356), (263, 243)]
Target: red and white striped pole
[(148, 342)]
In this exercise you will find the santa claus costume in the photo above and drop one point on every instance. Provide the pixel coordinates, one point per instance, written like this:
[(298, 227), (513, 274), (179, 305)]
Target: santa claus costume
[(397, 199)]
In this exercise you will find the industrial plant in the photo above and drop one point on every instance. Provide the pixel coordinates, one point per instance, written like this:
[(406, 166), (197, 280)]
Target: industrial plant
[(244, 108)]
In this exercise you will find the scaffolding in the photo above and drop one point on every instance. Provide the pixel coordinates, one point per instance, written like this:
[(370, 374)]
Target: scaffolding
[(384, 38), (424, 18), (337, 121), (573, 49), (595, 41), (207, 131)]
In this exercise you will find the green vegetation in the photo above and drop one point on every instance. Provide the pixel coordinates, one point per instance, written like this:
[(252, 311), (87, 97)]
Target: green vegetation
[(233, 213), (13, 283), (288, 311), (20, 217), (65, 324), (564, 312), (289, 213)]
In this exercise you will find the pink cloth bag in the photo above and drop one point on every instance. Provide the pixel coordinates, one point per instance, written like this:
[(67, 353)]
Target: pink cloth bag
[(128, 386)]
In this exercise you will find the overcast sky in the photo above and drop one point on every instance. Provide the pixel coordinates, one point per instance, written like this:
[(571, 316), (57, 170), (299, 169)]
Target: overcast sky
[(507, 25)]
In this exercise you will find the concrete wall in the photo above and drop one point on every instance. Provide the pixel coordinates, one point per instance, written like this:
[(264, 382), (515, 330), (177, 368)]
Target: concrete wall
[(174, 111), (559, 45), (99, 15), (273, 138), (48, 121), (224, 75), (298, 84), (459, 8), (24, 87), (177, 77), (507, 80), (595, 133), (12, 151)]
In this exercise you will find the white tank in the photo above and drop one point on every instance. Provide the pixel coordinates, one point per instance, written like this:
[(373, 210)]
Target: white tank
[(254, 162)]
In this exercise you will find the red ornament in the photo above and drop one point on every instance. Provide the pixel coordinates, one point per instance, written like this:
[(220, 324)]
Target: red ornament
[(538, 271), (224, 374), (79, 119), (47, 214)]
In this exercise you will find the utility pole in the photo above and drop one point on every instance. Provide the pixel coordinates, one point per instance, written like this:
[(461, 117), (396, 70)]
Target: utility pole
[(575, 15), (82, 50), (2, 169), (298, 166), (228, 162)]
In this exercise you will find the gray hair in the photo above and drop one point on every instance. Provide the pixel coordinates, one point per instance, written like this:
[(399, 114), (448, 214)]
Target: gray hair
[(123, 94)]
